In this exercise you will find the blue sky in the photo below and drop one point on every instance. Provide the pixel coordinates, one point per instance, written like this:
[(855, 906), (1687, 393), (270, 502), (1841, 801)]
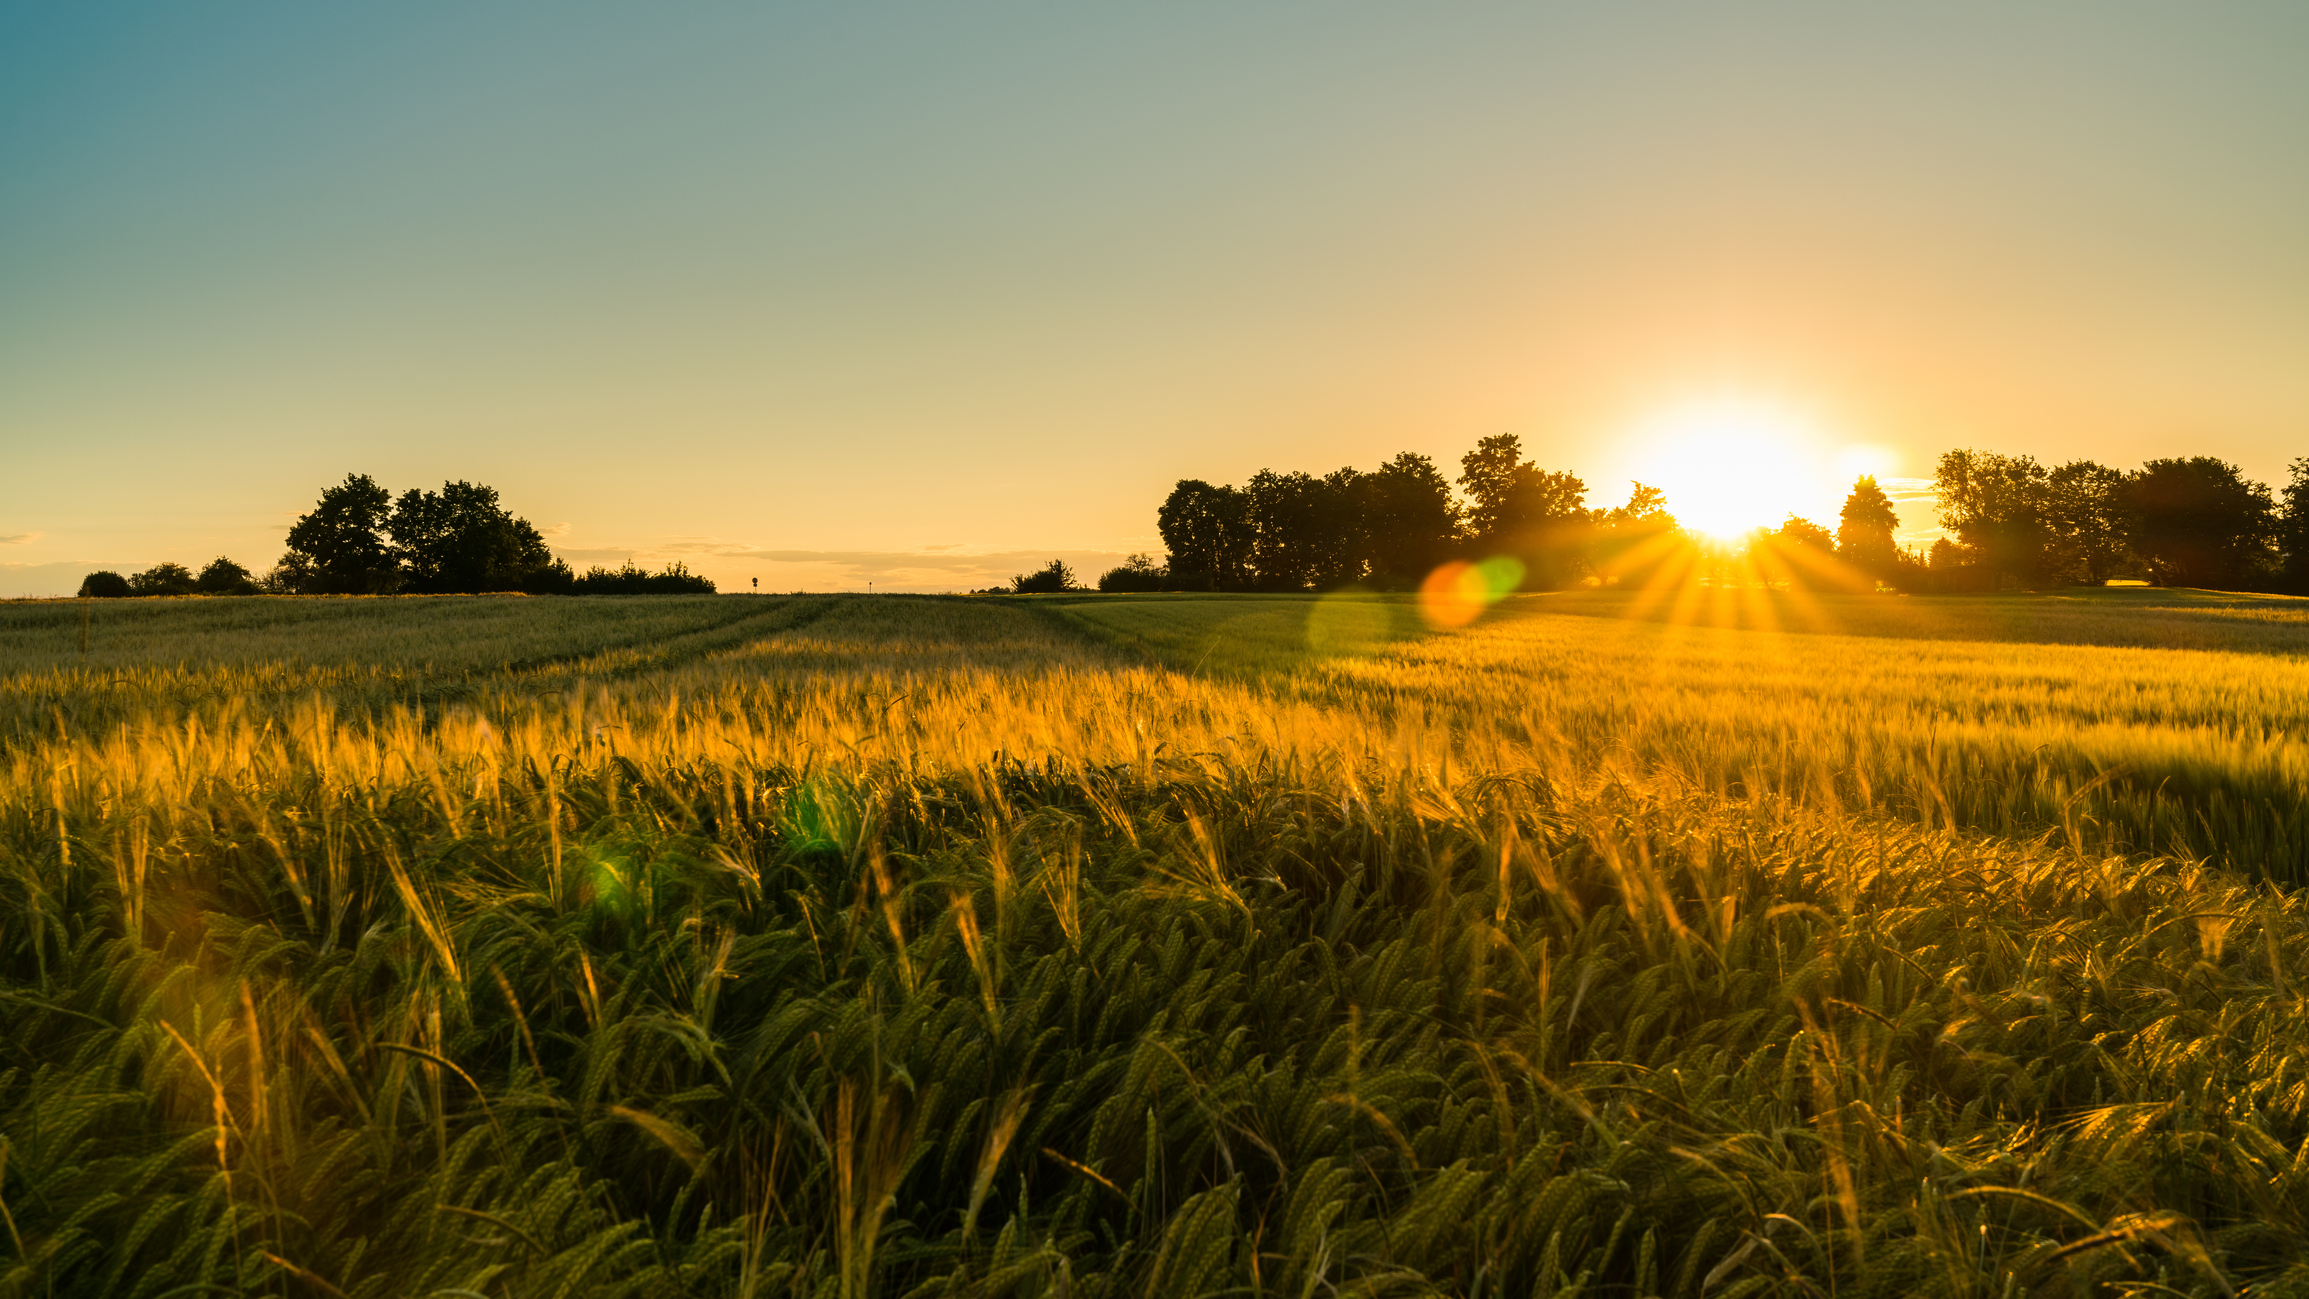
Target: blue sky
[(911, 293)]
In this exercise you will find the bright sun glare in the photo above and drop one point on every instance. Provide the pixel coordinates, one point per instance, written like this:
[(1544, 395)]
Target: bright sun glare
[(1731, 464)]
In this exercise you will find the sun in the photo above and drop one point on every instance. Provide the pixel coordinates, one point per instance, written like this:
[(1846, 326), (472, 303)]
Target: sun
[(1732, 464)]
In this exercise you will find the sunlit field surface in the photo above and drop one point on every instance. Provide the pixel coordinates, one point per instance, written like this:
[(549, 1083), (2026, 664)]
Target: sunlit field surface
[(1883, 707), (1105, 946), (2141, 617)]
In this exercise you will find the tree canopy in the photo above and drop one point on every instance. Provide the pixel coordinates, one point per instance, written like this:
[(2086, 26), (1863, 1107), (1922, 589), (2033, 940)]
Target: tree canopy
[(1411, 521), (2292, 527), (2198, 522), (460, 539), (224, 577), (1995, 506), (1207, 531), (2012, 522), (341, 547), (1864, 531), (164, 579), (1392, 526), (1515, 507), (358, 540), (2188, 521), (104, 584)]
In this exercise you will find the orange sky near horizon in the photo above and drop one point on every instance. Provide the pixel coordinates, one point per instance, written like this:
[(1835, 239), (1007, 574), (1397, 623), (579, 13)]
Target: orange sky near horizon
[(920, 295)]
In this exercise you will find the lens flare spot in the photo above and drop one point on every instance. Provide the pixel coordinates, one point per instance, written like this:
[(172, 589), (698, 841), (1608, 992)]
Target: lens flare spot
[(1458, 592)]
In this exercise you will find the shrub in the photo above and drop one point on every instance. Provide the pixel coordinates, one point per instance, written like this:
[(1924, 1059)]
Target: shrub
[(1049, 579), (676, 579), (552, 579), (1137, 573), (164, 579), (224, 577), (104, 584)]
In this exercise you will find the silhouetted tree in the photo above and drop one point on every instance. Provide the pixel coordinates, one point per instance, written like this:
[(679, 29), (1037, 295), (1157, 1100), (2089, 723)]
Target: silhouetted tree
[(461, 540), (224, 577), (1207, 531), (1508, 496), (2087, 530), (1516, 508), (294, 575), (341, 547), (1797, 533), (1802, 554), (1638, 542), (2293, 528), (1341, 532), (1494, 475), (164, 579), (1288, 515), (1139, 572), (1552, 496), (104, 584), (2198, 522), (1864, 531), (1411, 522), (1646, 507), (1051, 578), (1995, 505)]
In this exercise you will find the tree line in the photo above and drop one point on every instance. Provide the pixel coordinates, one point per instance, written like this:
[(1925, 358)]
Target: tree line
[(2185, 521), (1390, 527), (2013, 523), (360, 540)]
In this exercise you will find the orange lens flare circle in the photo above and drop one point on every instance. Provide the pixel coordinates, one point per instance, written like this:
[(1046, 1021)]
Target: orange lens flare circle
[(1457, 593)]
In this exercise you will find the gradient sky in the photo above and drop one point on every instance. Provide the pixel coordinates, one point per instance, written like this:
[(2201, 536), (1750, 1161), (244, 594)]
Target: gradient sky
[(923, 293)]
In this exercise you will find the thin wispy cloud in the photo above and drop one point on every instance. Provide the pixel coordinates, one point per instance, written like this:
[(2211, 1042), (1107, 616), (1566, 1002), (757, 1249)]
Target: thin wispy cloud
[(21, 538), (1916, 503)]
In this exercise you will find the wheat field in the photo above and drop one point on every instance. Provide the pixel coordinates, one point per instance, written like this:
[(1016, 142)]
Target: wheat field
[(1168, 946), (2074, 713)]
